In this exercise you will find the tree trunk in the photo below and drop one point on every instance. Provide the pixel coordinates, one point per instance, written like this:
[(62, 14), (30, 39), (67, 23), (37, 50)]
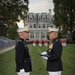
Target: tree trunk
[(70, 36)]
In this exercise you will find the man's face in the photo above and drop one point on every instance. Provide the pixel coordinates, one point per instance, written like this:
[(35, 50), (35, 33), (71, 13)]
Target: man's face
[(25, 35), (52, 35)]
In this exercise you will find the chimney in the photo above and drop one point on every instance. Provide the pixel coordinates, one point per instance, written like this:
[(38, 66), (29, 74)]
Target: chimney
[(50, 15), (50, 11)]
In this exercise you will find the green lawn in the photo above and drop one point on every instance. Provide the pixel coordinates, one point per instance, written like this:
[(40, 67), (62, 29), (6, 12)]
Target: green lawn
[(7, 61)]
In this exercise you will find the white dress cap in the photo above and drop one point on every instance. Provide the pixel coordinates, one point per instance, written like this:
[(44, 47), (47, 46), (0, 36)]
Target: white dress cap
[(53, 29), (21, 27), (24, 29)]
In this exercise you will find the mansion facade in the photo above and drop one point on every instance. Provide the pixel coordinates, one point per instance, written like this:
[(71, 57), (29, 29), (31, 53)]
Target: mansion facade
[(38, 24)]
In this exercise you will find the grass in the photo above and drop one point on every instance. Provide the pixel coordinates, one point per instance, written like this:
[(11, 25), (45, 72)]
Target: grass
[(7, 61), (68, 58)]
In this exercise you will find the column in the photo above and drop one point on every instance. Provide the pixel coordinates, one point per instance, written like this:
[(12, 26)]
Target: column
[(45, 35), (39, 35)]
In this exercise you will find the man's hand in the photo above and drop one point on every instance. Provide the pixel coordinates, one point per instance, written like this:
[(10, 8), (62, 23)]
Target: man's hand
[(44, 54), (22, 70)]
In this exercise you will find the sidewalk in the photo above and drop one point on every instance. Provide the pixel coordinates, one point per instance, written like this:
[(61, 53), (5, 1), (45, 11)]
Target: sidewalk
[(6, 49)]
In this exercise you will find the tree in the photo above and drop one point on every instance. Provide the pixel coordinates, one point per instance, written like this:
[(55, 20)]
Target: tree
[(65, 15), (12, 11), (12, 33)]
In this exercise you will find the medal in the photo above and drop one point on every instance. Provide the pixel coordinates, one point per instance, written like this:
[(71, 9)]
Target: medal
[(51, 46)]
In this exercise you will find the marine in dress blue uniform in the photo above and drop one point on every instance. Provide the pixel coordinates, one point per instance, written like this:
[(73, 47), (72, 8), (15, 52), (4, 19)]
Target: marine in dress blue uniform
[(22, 56), (54, 53), (54, 62)]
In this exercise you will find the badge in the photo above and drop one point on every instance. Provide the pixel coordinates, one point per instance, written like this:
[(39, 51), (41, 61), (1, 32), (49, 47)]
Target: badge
[(51, 46)]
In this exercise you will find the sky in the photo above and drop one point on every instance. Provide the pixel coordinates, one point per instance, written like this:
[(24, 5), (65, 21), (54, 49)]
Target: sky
[(38, 6)]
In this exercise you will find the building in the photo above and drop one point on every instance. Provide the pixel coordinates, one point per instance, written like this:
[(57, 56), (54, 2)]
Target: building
[(38, 24)]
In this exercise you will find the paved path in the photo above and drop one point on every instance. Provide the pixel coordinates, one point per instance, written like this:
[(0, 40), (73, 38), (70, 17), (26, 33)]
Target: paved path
[(6, 49)]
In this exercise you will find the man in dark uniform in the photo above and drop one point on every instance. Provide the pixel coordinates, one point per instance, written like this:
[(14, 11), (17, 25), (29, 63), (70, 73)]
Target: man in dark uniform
[(54, 53), (22, 56)]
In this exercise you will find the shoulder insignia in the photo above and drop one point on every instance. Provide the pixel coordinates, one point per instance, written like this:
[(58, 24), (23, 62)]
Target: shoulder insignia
[(56, 40), (20, 40)]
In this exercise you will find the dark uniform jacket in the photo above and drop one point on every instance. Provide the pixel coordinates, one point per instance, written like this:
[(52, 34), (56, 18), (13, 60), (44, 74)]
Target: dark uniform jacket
[(54, 62), (22, 58)]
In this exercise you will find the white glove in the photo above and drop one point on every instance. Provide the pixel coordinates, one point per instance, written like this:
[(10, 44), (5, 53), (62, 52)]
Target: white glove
[(44, 53), (45, 57), (22, 71)]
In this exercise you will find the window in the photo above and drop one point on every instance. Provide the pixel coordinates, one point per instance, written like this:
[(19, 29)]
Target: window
[(39, 26), (52, 26), (34, 25), (25, 24), (39, 18), (35, 19), (30, 18), (47, 18), (47, 25), (31, 34), (42, 35), (43, 18), (43, 25), (30, 25)]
